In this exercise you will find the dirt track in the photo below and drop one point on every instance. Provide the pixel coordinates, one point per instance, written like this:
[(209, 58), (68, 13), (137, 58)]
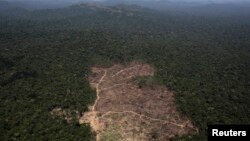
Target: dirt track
[(124, 111)]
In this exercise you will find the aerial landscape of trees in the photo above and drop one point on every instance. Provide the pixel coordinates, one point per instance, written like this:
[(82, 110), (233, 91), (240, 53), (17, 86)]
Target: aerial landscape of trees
[(46, 55)]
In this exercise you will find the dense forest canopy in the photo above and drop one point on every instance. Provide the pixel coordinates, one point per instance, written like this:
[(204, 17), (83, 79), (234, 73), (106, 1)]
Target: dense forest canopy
[(45, 58)]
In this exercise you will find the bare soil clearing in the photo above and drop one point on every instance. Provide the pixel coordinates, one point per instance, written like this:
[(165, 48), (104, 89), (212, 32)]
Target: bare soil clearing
[(126, 112)]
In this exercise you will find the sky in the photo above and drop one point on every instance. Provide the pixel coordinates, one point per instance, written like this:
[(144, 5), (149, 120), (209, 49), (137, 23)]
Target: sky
[(147, 0), (40, 4), (203, 1)]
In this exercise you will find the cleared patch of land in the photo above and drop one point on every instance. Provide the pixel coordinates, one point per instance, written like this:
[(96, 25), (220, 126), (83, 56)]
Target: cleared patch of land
[(126, 111)]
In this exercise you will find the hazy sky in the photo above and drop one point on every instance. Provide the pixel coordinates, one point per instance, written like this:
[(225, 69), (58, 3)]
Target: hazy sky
[(144, 0), (212, 1)]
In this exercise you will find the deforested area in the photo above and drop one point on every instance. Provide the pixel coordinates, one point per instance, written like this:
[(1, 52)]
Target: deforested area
[(187, 66), (129, 110)]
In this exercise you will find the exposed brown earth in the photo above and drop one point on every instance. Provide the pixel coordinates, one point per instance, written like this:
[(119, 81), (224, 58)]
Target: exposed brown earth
[(123, 111)]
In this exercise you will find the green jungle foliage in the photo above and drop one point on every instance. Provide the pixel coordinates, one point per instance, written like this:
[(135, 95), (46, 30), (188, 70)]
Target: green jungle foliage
[(46, 55)]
